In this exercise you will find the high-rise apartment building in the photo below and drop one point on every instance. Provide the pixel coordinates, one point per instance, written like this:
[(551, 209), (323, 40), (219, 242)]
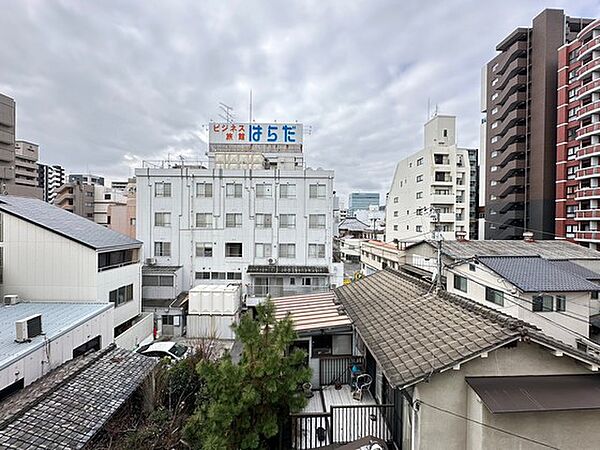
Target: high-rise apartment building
[(77, 198), (578, 141), (26, 163), (7, 141), (520, 115), (362, 200), (437, 178), (50, 179), (253, 214), (86, 178)]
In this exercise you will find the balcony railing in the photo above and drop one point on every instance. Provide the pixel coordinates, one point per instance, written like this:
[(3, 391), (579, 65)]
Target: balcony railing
[(587, 236), (586, 88), (586, 152), (588, 109), (587, 193), (592, 65), (284, 291), (588, 172), (589, 46), (588, 214), (588, 129)]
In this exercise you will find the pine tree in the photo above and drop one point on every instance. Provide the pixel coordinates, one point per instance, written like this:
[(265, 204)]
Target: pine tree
[(246, 404)]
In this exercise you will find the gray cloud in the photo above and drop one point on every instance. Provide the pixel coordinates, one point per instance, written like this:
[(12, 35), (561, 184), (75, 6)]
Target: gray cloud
[(102, 85)]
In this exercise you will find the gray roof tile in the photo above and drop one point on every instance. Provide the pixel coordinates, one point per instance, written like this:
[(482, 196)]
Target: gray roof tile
[(65, 223), (534, 274)]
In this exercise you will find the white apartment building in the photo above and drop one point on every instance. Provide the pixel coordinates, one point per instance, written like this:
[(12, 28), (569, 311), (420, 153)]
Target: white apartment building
[(104, 199), (436, 177), (50, 179), (253, 214), (48, 254)]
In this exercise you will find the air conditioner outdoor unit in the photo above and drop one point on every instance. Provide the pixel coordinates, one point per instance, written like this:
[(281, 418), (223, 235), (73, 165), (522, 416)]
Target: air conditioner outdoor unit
[(12, 299), (28, 328), (150, 261)]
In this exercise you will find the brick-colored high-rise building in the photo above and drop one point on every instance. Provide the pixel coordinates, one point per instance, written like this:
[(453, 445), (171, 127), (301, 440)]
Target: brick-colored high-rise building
[(578, 138), (520, 113)]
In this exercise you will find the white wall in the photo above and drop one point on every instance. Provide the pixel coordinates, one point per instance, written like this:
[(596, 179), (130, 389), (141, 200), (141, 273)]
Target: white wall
[(109, 280), (140, 333), (184, 204), (40, 362)]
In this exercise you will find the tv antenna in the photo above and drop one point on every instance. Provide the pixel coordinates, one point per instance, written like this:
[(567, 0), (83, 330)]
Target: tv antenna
[(227, 112)]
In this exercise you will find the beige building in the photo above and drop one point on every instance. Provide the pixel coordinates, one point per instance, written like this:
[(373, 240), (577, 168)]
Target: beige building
[(121, 217), (377, 255), (77, 198)]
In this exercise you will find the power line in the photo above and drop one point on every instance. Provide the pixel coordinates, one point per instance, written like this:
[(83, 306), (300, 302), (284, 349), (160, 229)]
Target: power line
[(501, 430), (523, 228)]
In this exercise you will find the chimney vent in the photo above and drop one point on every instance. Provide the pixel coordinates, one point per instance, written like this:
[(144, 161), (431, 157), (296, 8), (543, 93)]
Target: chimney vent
[(528, 236)]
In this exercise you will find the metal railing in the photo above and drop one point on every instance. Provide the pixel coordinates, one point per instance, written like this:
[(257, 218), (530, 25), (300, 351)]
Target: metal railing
[(337, 369), (283, 291)]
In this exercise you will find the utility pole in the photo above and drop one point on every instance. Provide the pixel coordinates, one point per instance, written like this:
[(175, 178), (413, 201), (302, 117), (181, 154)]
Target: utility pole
[(437, 236)]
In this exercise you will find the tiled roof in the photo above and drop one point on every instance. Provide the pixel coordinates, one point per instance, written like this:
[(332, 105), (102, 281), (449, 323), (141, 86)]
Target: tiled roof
[(549, 249), (311, 312), (353, 224), (57, 319), (413, 333), (577, 269), (160, 270), (65, 223), (287, 269), (70, 415), (534, 274)]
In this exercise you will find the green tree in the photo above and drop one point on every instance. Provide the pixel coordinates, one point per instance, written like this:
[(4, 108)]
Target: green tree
[(246, 404)]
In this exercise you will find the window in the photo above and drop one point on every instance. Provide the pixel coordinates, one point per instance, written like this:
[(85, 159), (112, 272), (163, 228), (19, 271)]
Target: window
[(162, 249), (395, 227), (162, 219), (122, 295), (234, 276), (317, 190), (217, 275), (202, 275), (395, 199), (107, 196), (494, 296), (419, 194), (233, 190), (418, 228), (573, 56), (445, 132), (287, 191), (263, 250), (395, 213), (419, 178), (316, 221), (263, 190), (572, 75), (233, 250), (287, 250), (322, 344), (157, 280), (572, 114), (316, 250), (287, 221), (572, 134), (167, 320), (204, 249), (561, 303), (162, 189), (572, 93), (263, 220), (420, 162), (542, 303), (204, 190), (460, 283), (233, 220), (204, 220)]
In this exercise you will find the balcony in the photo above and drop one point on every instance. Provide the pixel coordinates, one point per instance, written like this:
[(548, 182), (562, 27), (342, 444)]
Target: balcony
[(589, 46), (518, 65), (587, 214), (284, 291), (588, 109), (509, 153), (511, 169), (512, 118), (511, 136), (593, 236), (442, 198), (588, 130), (587, 193), (589, 29), (588, 88), (588, 172), (594, 64), (509, 98), (516, 50), (589, 151)]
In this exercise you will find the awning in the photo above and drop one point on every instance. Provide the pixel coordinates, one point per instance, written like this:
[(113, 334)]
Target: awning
[(311, 312), (537, 393)]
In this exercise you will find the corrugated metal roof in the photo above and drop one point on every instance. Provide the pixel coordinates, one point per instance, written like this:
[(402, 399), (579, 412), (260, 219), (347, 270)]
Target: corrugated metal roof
[(537, 393), (74, 411), (534, 274), (65, 223), (550, 249), (311, 312), (57, 318), (160, 270)]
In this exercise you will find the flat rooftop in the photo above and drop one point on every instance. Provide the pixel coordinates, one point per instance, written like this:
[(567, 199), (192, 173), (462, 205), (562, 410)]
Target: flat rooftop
[(57, 319)]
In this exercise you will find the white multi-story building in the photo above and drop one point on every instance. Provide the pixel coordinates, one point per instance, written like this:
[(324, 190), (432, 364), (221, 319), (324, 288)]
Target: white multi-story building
[(48, 254), (50, 179), (437, 177), (253, 214)]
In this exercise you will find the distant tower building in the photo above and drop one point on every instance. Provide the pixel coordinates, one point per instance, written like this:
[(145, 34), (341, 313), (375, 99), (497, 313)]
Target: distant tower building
[(50, 179), (362, 200)]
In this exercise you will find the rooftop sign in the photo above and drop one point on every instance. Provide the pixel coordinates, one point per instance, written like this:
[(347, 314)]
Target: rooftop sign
[(255, 133)]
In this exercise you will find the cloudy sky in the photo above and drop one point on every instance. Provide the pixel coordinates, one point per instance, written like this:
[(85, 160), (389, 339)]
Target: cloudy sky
[(103, 85)]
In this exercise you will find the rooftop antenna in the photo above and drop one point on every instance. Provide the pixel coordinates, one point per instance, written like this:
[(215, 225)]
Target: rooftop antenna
[(227, 114), (428, 109), (250, 108)]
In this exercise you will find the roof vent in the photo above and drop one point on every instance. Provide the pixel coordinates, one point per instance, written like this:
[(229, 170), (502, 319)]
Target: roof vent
[(12, 299), (28, 328), (528, 236)]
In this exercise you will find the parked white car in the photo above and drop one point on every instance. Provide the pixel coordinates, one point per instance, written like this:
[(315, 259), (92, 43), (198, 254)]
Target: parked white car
[(173, 350)]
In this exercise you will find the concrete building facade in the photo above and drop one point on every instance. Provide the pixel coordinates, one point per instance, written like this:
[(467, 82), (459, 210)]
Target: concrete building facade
[(50, 179), (520, 109), (437, 177), (77, 198), (362, 200), (578, 139)]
